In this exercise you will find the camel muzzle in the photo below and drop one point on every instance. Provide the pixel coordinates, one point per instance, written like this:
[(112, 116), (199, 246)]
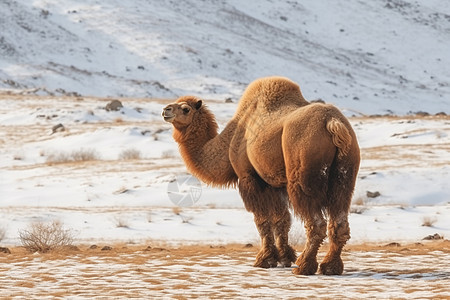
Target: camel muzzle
[(167, 114)]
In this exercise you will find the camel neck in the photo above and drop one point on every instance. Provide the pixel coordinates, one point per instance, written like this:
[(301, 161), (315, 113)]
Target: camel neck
[(206, 155)]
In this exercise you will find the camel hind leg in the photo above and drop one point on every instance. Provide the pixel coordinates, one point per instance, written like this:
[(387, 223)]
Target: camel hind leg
[(342, 181), (310, 211)]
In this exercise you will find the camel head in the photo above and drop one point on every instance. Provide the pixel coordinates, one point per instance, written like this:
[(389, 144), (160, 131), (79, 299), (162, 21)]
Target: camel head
[(181, 112)]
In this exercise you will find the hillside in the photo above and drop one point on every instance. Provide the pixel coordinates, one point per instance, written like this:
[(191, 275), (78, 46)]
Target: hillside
[(377, 57)]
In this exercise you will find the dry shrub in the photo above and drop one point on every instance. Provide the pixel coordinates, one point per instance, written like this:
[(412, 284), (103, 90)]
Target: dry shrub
[(76, 155), (168, 154), (121, 222), (2, 233), (177, 210), (358, 206), (429, 221), (44, 237), (130, 154)]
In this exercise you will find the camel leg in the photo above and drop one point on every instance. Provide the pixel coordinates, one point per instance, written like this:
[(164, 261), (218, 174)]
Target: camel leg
[(343, 173), (267, 257), (281, 225), (338, 234), (259, 199), (309, 209), (315, 233)]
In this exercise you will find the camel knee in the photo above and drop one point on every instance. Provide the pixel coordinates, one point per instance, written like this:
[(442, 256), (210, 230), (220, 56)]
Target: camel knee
[(316, 229), (339, 230)]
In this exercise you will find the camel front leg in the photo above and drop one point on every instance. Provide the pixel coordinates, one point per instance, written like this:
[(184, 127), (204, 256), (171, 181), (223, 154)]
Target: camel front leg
[(281, 226), (267, 257)]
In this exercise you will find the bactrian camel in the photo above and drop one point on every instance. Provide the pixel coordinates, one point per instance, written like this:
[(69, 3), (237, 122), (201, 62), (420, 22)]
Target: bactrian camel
[(281, 152)]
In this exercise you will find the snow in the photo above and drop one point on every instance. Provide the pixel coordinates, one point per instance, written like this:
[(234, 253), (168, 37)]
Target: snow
[(373, 57)]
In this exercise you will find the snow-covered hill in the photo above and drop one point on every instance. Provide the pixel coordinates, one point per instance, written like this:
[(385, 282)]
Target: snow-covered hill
[(371, 57)]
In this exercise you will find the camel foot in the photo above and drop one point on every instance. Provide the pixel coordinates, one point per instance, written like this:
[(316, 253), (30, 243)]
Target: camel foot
[(332, 266), (287, 257), (305, 267), (266, 258)]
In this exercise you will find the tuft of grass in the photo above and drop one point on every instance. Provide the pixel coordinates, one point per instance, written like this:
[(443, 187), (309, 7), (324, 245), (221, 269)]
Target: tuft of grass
[(177, 210), (44, 237), (18, 156), (2, 233), (130, 154), (168, 154), (74, 156), (358, 206), (429, 221), (121, 222)]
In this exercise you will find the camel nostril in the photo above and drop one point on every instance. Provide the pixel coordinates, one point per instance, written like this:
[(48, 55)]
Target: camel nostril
[(168, 109)]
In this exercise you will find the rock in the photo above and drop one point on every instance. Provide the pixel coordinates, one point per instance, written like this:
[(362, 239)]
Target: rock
[(248, 246), (114, 105), (422, 114), (394, 244), (370, 194), (107, 248), (228, 100), (5, 250), (93, 247), (58, 128), (433, 237)]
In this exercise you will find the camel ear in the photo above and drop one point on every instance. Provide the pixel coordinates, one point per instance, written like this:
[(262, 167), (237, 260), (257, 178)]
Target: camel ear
[(198, 104)]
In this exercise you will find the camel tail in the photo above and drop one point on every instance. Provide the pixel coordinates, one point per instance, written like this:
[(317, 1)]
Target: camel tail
[(340, 135)]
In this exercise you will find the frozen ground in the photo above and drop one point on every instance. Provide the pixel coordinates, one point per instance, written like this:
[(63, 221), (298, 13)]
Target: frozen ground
[(414, 271)]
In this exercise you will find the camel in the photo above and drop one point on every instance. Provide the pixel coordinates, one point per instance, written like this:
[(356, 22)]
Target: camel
[(283, 153)]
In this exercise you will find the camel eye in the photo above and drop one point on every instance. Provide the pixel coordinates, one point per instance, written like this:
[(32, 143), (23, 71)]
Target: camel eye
[(186, 110)]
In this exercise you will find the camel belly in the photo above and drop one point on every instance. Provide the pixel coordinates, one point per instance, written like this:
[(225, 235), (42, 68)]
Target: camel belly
[(266, 156)]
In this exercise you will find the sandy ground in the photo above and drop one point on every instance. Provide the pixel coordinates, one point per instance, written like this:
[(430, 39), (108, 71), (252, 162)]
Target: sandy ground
[(410, 271)]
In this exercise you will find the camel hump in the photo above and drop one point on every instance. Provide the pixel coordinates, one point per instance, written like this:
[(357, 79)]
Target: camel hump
[(270, 94), (340, 135)]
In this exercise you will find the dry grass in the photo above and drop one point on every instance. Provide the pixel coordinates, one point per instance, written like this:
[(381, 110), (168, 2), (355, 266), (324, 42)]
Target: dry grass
[(44, 237), (121, 222), (177, 210), (74, 156), (2, 233), (429, 221), (130, 154)]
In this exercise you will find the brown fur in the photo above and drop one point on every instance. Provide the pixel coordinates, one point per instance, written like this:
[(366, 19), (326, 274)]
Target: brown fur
[(280, 151)]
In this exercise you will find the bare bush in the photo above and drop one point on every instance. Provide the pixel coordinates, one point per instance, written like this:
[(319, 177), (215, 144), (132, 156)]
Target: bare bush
[(130, 154), (74, 156), (121, 222), (44, 237), (429, 221), (358, 206), (168, 154), (2, 233)]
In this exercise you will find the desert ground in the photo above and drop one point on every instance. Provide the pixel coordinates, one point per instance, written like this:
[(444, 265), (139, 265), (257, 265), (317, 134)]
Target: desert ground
[(392, 271)]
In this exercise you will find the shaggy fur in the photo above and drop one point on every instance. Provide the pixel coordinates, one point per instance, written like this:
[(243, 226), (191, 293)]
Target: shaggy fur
[(281, 151)]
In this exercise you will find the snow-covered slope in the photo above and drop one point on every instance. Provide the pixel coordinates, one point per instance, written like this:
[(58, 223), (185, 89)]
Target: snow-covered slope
[(376, 56)]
